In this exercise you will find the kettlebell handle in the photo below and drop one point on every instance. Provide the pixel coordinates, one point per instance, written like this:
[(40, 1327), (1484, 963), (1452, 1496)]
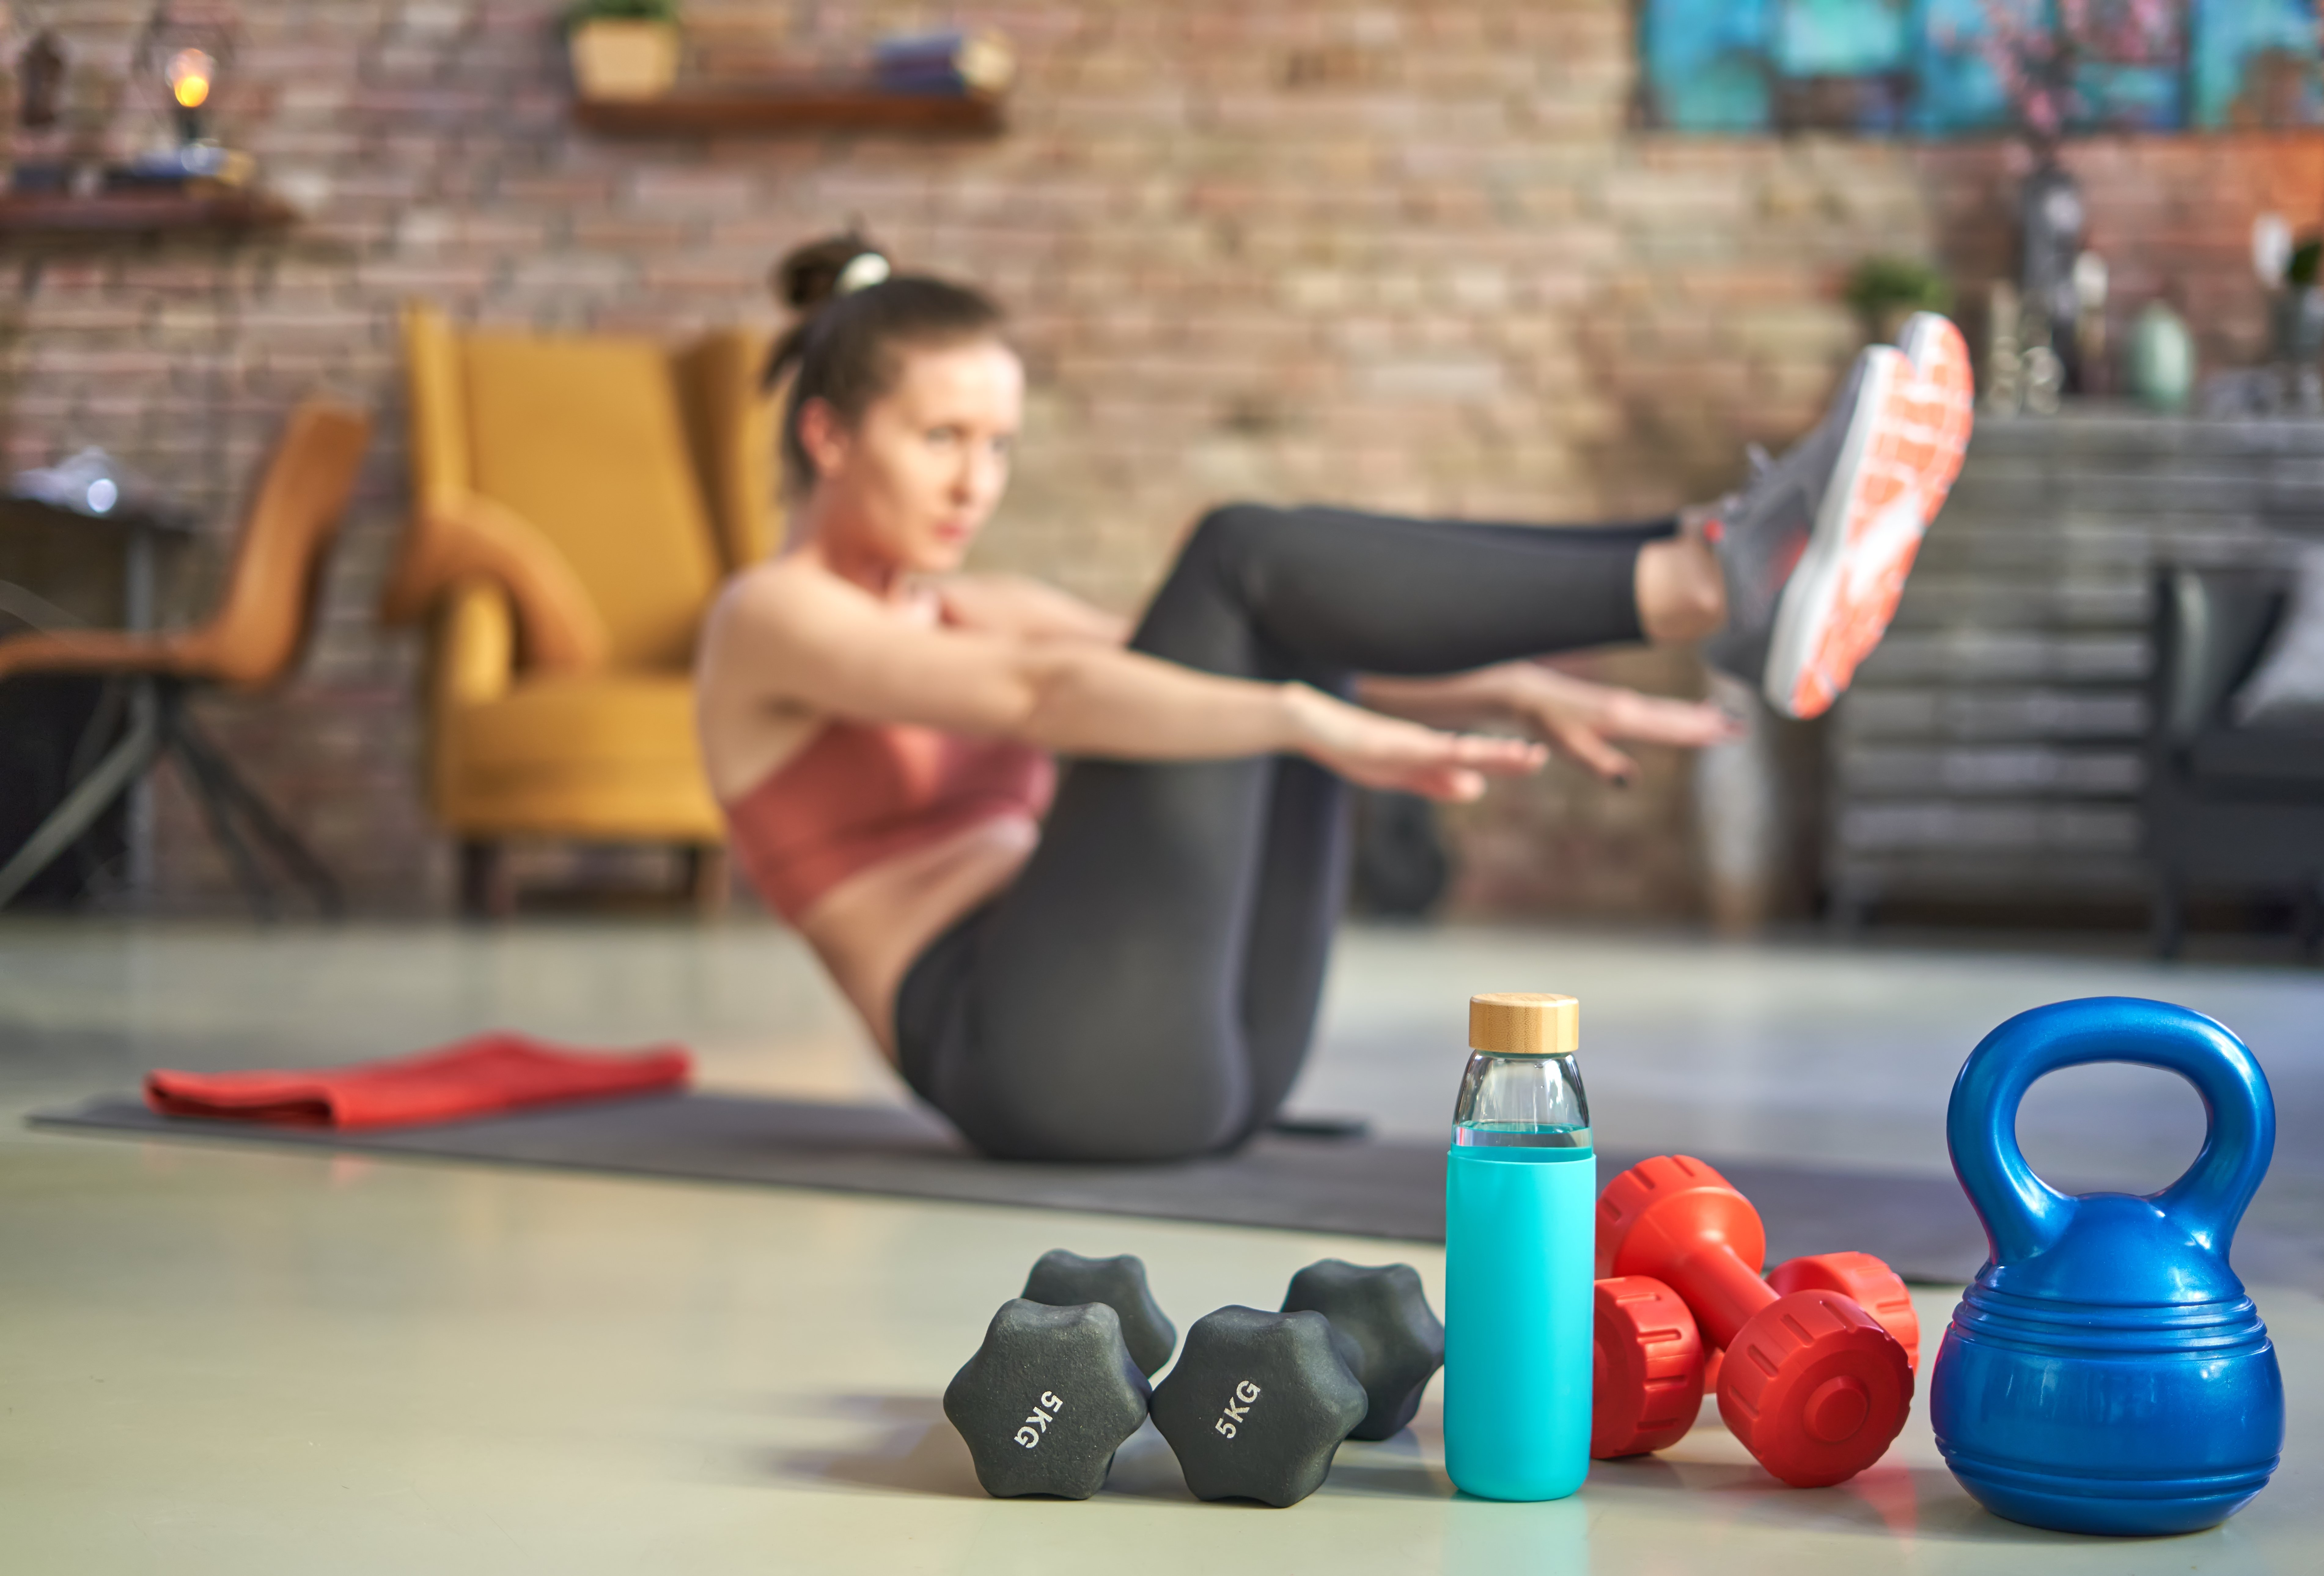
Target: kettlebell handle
[(2022, 1214)]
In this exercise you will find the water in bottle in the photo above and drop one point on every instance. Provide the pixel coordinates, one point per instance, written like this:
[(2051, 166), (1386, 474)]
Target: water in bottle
[(1521, 1188)]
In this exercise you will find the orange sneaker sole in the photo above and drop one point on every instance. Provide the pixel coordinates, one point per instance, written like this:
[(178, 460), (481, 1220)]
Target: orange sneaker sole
[(1903, 451)]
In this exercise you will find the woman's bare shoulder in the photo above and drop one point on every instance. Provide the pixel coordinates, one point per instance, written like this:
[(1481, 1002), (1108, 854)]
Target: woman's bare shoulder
[(788, 604), (786, 630), (783, 584)]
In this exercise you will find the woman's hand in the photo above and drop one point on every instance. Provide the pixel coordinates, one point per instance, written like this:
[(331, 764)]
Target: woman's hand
[(1580, 720), (1387, 752)]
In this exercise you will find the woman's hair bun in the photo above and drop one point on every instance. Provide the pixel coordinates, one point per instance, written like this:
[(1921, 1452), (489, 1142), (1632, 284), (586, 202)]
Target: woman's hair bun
[(835, 265), (845, 337)]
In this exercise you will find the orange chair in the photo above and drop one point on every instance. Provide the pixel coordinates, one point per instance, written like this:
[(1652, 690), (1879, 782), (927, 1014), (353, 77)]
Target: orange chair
[(251, 641)]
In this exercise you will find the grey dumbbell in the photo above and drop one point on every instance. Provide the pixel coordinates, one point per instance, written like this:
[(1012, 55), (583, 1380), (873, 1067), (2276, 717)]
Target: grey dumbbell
[(1062, 1279), (1047, 1399), (1257, 1403), (1383, 1310)]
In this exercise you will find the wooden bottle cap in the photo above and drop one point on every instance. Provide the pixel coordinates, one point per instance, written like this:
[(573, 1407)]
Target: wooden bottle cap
[(1524, 1024)]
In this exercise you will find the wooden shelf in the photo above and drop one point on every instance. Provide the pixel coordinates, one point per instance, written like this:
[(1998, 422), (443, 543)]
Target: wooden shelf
[(806, 107), (139, 212)]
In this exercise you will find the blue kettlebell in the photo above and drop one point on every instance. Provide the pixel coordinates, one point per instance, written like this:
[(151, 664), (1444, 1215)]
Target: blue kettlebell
[(2106, 1373)]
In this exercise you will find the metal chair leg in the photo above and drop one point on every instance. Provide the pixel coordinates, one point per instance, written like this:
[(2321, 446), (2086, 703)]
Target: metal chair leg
[(106, 719), (112, 703), (702, 867), (90, 798), (286, 844), (202, 778), (487, 885)]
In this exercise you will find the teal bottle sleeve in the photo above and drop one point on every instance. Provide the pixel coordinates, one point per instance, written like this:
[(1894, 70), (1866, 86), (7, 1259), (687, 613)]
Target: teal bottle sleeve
[(1519, 1226)]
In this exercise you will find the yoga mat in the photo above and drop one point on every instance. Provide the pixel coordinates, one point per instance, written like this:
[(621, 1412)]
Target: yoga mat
[(1360, 1187)]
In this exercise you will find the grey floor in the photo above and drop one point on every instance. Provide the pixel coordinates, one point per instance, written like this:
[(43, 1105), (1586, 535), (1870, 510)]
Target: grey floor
[(221, 1359)]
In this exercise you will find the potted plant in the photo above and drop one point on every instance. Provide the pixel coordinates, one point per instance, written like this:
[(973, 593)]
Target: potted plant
[(1886, 291), (622, 48), (2297, 311)]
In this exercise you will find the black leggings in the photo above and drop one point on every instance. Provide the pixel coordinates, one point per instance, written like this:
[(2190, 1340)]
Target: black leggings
[(1147, 986)]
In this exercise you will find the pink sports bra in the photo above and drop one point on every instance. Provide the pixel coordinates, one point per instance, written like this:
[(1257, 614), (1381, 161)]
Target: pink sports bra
[(861, 793)]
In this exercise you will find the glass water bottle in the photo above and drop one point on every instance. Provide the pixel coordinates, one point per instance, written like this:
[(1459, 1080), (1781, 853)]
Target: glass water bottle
[(1521, 1194)]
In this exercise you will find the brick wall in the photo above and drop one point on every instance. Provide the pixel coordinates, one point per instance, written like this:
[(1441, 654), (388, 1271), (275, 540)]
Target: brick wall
[(1406, 254)]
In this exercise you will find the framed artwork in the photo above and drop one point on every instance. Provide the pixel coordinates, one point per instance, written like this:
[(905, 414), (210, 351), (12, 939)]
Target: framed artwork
[(1945, 68), (2255, 63), (1706, 64)]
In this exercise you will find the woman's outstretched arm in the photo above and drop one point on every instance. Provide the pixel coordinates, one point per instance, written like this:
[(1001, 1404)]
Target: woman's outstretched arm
[(800, 639), (1573, 716)]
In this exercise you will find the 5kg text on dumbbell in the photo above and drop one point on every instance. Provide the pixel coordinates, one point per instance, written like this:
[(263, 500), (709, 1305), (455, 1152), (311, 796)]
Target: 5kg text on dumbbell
[(1040, 1420), (1247, 1393)]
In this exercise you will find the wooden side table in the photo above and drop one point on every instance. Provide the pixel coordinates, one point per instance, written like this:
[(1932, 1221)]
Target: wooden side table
[(59, 549)]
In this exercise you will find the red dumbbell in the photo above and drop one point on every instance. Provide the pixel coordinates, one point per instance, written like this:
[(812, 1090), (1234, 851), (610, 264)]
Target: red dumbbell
[(1879, 1290), (1647, 1368), (1826, 1387), (1652, 1365), (1871, 1284)]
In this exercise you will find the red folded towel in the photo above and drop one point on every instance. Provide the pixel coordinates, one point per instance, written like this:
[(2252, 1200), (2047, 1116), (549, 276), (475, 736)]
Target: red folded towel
[(480, 1076)]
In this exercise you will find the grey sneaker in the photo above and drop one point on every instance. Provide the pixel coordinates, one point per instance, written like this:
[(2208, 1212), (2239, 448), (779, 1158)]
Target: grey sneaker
[(1761, 535), (1816, 547)]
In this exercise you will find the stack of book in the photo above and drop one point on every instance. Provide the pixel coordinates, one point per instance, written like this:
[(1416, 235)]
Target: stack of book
[(956, 61), (196, 168)]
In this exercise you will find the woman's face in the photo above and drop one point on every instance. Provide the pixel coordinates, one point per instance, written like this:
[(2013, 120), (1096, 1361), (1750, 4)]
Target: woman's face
[(913, 482)]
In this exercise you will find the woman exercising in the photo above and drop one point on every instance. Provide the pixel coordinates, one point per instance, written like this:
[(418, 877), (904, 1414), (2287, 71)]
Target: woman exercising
[(1134, 976)]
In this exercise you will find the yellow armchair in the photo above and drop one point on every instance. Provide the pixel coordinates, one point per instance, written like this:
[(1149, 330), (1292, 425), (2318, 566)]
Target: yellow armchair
[(575, 503)]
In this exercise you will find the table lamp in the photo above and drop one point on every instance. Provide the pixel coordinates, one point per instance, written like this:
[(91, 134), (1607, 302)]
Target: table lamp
[(183, 57)]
